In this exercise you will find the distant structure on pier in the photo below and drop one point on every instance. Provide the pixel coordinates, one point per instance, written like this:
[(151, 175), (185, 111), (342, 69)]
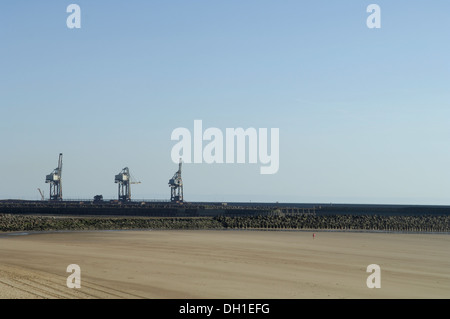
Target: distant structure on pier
[(55, 180), (176, 186), (123, 179)]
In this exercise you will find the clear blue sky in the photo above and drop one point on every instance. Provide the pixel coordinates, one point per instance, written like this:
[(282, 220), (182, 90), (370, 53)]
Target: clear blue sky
[(363, 113)]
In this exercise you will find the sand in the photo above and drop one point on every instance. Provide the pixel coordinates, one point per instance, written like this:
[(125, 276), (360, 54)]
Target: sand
[(224, 264)]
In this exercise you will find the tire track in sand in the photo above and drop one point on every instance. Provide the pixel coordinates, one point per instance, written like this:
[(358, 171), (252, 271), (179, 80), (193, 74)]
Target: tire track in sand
[(20, 282)]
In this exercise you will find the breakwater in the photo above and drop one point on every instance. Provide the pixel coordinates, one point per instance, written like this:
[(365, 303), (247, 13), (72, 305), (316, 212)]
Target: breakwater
[(425, 223)]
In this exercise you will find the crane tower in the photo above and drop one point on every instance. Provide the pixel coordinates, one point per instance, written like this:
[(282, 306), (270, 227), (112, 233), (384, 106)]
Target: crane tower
[(176, 186), (124, 180), (55, 180)]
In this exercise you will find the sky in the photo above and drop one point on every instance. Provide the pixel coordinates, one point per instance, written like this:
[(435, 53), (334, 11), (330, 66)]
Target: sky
[(363, 113)]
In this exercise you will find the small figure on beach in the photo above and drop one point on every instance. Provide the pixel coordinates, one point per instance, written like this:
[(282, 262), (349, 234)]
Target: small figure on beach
[(314, 235)]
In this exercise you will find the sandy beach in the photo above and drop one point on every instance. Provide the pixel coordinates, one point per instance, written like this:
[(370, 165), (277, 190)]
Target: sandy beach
[(224, 264)]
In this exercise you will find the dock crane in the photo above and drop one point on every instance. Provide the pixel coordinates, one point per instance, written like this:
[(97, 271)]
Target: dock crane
[(42, 194), (55, 180), (176, 186), (124, 180)]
